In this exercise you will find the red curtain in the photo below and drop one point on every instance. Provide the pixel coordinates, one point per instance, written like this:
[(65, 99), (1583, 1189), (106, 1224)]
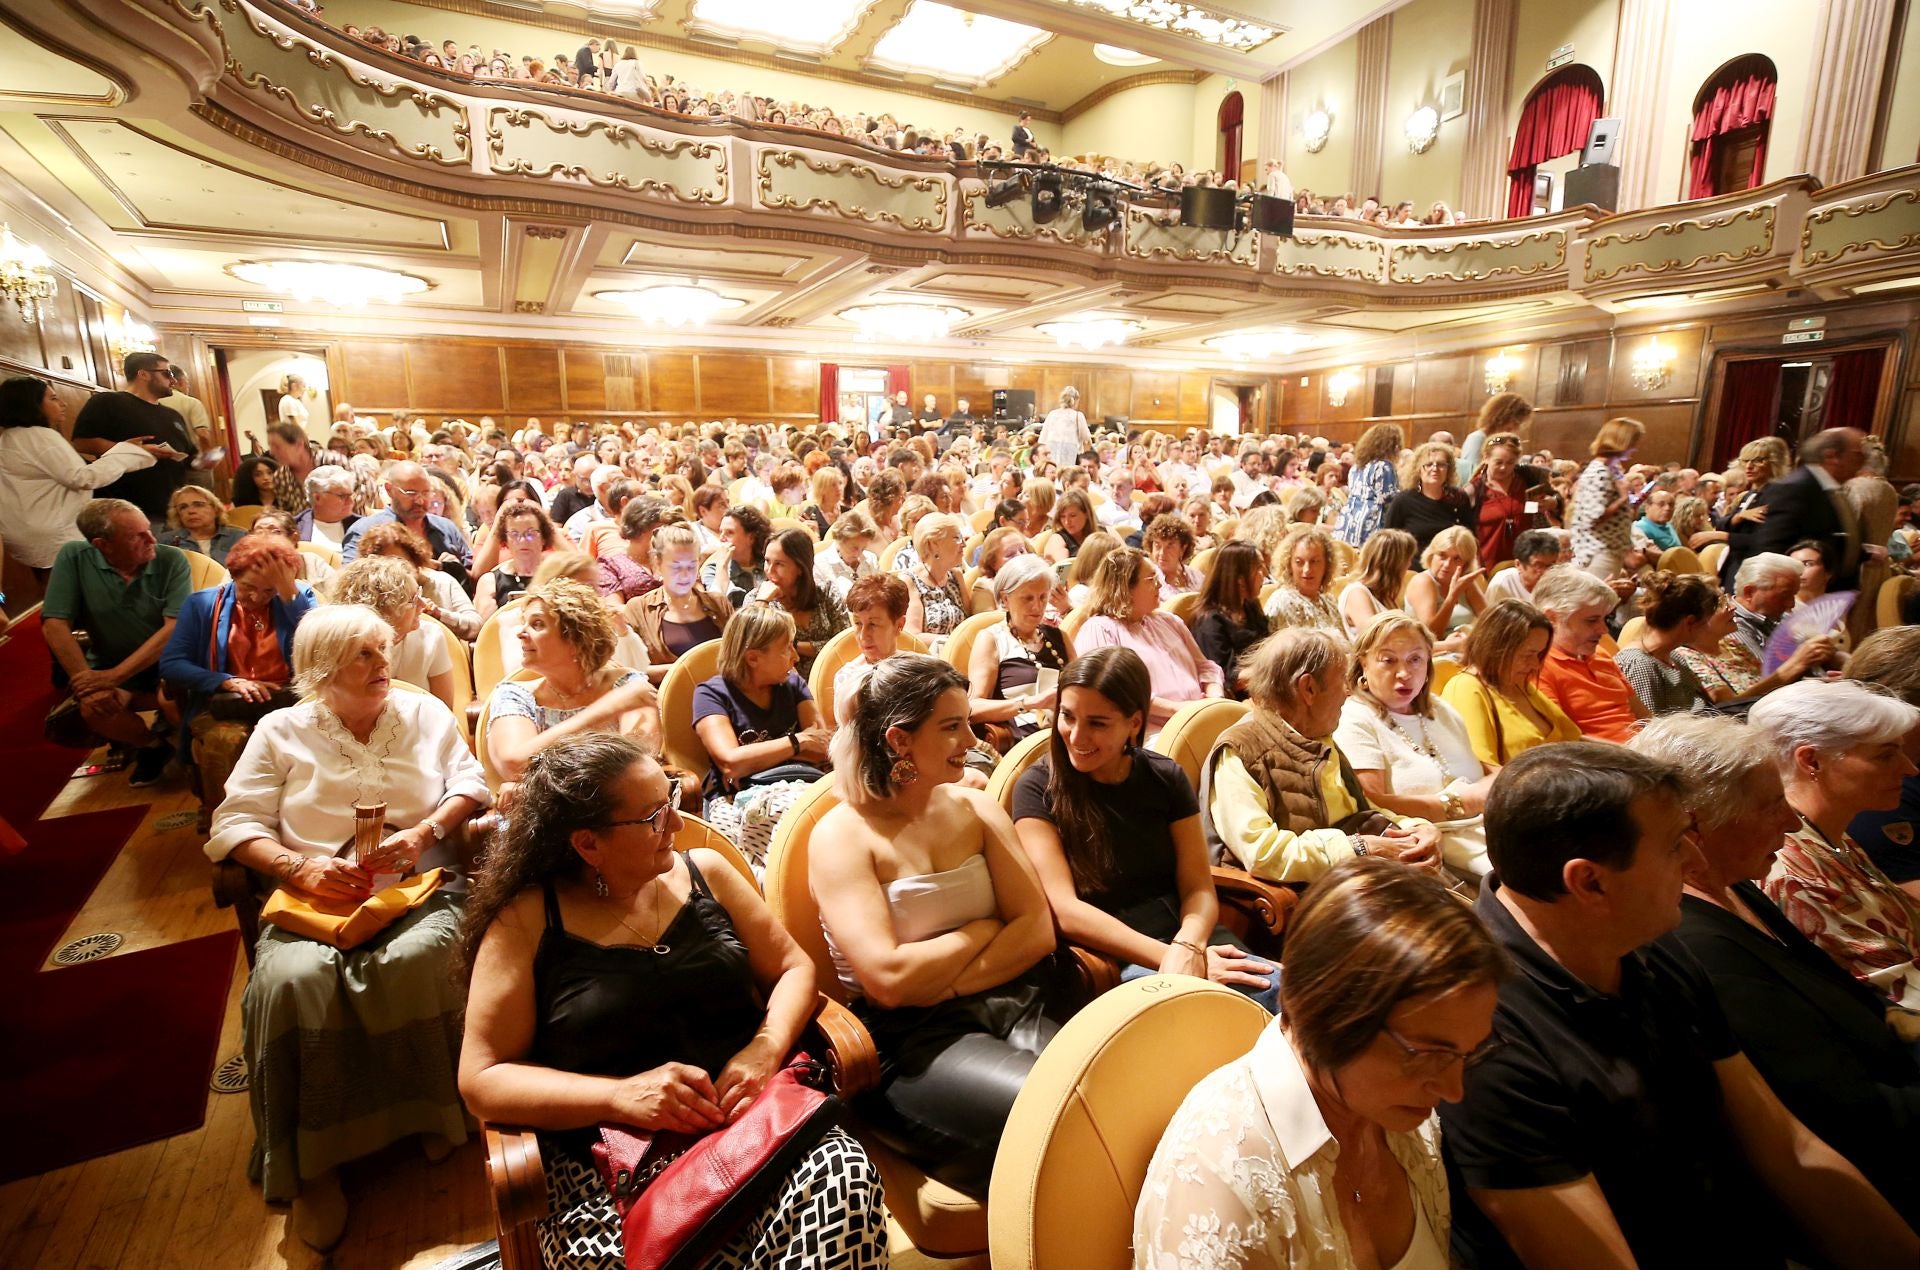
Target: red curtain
[(1853, 390), (1555, 121), (829, 393), (1747, 408), (899, 380), (1740, 100)]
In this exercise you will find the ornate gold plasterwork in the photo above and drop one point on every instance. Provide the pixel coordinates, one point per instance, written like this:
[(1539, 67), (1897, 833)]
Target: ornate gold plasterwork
[(530, 306), (499, 118), (1065, 230), (428, 103), (546, 233), (790, 160), (1556, 236), (1245, 249), (1323, 242), (1763, 215), (1811, 257)]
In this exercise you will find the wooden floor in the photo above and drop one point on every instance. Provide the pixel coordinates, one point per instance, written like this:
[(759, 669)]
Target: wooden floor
[(186, 1201)]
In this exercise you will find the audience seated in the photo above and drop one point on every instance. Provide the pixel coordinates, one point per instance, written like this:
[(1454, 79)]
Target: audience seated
[(1889, 660), (441, 597), (936, 921), (738, 573), (391, 588), (1534, 552), (1276, 796), (627, 574), (583, 919), (1620, 1117), (678, 614), (526, 536), (1303, 593), (1169, 543), (1679, 610), (408, 487), (877, 616), (230, 657), (790, 587), (758, 723), (1842, 751), (937, 600), (1006, 700), (1228, 620), (1384, 563), (1320, 1147), (125, 592), (1446, 594), (1577, 674), (1126, 613), (329, 512), (570, 683), (1114, 831), (1410, 751), (847, 556), (1072, 521), (194, 524), (1496, 693), (350, 1050), (1821, 1039)]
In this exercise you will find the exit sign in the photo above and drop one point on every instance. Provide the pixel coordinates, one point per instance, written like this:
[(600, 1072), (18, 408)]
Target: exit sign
[(262, 306), (1560, 56), (1803, 337)]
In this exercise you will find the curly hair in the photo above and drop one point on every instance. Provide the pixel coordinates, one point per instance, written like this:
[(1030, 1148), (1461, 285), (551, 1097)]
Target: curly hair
[(386, 585), (580, 617), (391, 537), (1381, 441)]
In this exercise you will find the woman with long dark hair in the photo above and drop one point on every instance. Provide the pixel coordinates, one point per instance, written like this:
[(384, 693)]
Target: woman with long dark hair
[(790, 586), (43, 481), (1114, 830), (1229, 619), (253, 481)]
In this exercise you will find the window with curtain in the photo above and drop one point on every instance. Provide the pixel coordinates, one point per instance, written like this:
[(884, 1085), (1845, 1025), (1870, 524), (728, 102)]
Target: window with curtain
[(1554, 121), (1731, 119), (1232, 116)]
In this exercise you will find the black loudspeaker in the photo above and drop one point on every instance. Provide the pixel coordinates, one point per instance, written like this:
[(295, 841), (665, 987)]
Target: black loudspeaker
[(1273, 215), (1013, 403), (1204, 207), (1598, 184)]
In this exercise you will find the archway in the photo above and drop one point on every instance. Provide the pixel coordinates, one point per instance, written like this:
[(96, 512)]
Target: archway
[(1231, 130), (1555, 120), (1732, 117)]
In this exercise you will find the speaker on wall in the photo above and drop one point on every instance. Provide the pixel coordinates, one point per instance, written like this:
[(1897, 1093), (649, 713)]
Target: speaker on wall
[(1205, 207), (1013, 403), (1599, 185)]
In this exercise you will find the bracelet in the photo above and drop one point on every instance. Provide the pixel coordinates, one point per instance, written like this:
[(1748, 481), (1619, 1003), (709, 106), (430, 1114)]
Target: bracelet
[(287, 865), (1357, 843), (793, 739), (1189, 945), (1456, 810)]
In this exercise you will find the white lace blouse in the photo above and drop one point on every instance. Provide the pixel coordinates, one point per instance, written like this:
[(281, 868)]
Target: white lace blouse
[(1243, 1178)]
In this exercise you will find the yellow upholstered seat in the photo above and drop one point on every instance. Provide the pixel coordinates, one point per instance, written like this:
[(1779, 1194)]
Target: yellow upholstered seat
[(1190, 734), (959, 645), (836, 653), (681, 743), (1070, 624), (1681, 560), (1712, 555), (204, 571), (1014, 764), (324, 551), (1091, 1113), (1886, 604), (1184, 606), (887, 554), (242, 517), (489, 659)]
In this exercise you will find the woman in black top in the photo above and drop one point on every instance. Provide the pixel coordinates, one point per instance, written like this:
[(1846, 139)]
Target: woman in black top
[(1229, 619), (585, 919), (1429, 500), (1114, 831), (1820, 1037)]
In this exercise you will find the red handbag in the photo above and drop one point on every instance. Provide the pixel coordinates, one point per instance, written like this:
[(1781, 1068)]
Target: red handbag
[(681, 1196)]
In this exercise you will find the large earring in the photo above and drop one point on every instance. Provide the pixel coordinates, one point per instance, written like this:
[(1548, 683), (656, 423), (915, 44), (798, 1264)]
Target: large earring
[(600, 888), (904, 771)]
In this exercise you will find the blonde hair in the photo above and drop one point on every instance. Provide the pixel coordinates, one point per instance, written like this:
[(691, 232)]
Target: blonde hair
[(1410, 467), (1113, 583), (580, 617), (1038, 495), (1386, 558), (1283, 555), (329, 637), (186, 494), (1456, 538), (386, 584), (749, 630), (931, 526), (1616, 437), (1086, 563), (1381, 628)]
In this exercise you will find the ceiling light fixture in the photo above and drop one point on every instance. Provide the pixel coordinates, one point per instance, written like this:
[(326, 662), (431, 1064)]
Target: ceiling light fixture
[(1501, 368), (1342, 383), (1422, 127), (319, 281), (673, 304), (954, 46), (1652, 366), (1248, 346), (26, 274), (1114, 55), (815, 28), (1096, 330), (903, 322), (1185, 19), (126, 336), (1316, 128)]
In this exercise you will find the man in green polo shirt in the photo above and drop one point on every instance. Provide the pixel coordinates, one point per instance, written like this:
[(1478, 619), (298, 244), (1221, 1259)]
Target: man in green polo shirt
[(125, 591)]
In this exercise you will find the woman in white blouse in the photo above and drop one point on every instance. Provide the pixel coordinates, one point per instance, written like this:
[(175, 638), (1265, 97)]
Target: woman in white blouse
[(386, 1014), (43, 480), (1319, 1150), (1409, 749)]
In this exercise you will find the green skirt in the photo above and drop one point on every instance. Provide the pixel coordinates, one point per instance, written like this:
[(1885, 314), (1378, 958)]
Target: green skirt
[(351, 1051)]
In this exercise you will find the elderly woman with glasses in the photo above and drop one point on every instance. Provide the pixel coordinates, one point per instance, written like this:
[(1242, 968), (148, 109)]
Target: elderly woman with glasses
[(1320, 1148), (585, 918), (350, 1050), (193, 524), (1820, 1037), (1010, 657)]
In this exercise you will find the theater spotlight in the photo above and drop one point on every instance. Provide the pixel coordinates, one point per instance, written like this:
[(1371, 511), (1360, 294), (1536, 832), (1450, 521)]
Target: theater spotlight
[(1100, 211), (1046, 197), (1002, 192)]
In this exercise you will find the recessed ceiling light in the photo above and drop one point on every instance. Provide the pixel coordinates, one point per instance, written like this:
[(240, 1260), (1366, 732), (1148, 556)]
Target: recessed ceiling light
[(1114, 55), (345, 286), (675, 304)]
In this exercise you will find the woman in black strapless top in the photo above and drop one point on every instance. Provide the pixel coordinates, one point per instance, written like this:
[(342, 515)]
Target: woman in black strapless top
[(617, 981)]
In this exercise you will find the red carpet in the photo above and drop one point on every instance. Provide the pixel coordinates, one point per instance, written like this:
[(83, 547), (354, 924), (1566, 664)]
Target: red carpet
[(107, 1055)]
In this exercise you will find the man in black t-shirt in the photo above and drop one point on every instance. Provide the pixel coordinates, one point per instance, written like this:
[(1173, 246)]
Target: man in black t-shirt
[(1618, 1123), (139, 415)]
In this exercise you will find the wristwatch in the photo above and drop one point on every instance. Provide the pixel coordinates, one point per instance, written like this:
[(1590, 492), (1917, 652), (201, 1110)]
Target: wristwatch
[(1456, 810), (794, 738)]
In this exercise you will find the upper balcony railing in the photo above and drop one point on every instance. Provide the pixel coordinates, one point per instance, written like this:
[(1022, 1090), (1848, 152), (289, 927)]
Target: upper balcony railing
[(270, 74)]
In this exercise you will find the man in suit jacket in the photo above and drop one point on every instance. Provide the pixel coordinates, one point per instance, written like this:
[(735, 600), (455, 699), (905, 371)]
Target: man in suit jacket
[(1022, 137), (1808, 504)]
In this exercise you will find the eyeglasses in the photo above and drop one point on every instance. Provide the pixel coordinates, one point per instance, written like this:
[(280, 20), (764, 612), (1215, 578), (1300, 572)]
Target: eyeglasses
[(652, 820), (1428, 1062), (523, 535)]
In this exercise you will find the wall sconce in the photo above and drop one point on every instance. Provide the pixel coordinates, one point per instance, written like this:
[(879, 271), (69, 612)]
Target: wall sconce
[(1652, 366), (1422, 126), (1339, 386), (126, 336), (26, 274), (1500, 371), (1316, 128)]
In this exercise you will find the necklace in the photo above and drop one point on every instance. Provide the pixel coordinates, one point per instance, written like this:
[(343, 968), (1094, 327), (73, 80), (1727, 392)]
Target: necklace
[(655, 945), (1424, 745), (565, 700)]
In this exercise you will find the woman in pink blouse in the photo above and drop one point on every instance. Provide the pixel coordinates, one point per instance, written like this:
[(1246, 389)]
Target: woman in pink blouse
[(1126, 614), (1843, 750)]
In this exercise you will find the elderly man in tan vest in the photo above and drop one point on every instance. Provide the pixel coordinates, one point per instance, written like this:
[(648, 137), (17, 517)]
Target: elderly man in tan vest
[(1276, 795)]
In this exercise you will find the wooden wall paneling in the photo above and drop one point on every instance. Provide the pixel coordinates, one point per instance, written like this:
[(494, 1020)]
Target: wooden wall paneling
[(734, 384), (1565, 432), (375, 374), (1404, 374), (1669, 436), (1440, 386), (935, 378), (1683, 382), (586, 380), (19, 338), (1112, 393), (445, 375), (1056, 380), (1156, 394), (1028, 379), (672, 386), (625, 374), (1195, 408), (63, 338), (1300, 400), (794, 383), (1359, 402), (1524, 379), (534, 379)]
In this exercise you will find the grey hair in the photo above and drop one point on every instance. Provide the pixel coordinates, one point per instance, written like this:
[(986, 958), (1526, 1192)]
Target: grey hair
[(1716, 755), (1069, 393), (1018, 572), (329, 479), (1755, 570), (931, 526), (1832, 718), (330, 636), (899, 693), (1275, 664), (95, 519), (1564, 588)]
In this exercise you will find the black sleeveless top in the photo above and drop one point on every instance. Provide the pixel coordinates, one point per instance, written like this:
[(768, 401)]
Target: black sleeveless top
[(618, 1011), (508, 585)]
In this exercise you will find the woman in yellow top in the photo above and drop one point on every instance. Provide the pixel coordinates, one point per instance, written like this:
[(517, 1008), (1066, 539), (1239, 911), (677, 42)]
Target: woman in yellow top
[(1505, 711)]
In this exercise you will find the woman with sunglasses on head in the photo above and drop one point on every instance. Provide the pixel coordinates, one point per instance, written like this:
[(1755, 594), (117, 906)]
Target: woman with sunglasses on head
[(585, 918), (1319, 1150), (526, 535)]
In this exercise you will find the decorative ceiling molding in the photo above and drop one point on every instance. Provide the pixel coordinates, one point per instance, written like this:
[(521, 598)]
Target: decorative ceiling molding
[(1100, 94)]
